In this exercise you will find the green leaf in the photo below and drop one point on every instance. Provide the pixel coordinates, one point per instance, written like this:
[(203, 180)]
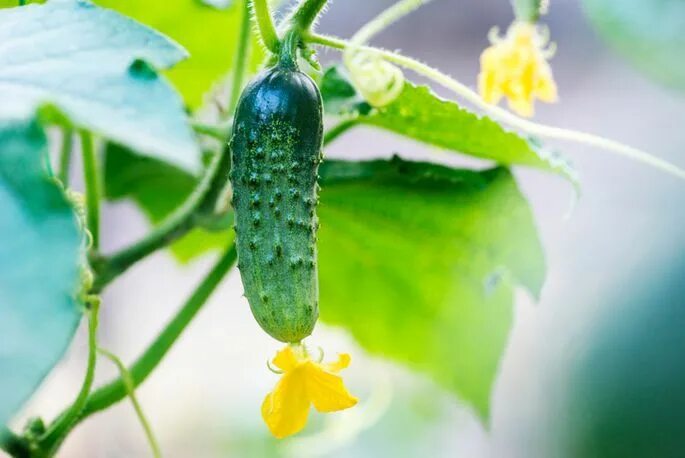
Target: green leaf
[(158, 188), (649, 33), (419, 262), (92, 64), (339, 95), (207, 32), (421, 115), (39, 257)]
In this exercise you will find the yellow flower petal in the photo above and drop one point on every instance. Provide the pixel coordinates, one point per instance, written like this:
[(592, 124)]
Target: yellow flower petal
[(516, 67), (343, 361), (522, 106), (326, 390), (304, 382), (286, 359), (546, 89), (286, 408)]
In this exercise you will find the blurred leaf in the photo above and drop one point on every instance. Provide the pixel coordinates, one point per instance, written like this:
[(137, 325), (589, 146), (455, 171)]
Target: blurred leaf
[(420, 261), (625, 394), (157, 188), (85, 60), (209, 34), (39, 257), (420, 114), (649, 33)]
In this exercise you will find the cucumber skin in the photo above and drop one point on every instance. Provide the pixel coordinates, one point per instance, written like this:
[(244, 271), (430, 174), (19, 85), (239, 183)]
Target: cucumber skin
[(276, 151)]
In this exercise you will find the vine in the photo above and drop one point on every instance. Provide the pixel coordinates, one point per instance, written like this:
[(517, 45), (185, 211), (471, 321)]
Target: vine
[(500, 114)]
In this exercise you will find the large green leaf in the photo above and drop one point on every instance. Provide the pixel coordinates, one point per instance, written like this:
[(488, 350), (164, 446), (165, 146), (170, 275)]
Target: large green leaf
[(420, 114), (85, 60), (208, 33), (647, 32), (39, 256), (419, 262)]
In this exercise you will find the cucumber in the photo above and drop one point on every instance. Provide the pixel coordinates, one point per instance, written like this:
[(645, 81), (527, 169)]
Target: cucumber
[(276, 151)]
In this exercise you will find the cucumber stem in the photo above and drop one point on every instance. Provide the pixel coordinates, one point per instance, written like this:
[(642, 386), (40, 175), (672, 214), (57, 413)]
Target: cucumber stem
[(288, 54), (265, 24), (306, 13), (242, 50)]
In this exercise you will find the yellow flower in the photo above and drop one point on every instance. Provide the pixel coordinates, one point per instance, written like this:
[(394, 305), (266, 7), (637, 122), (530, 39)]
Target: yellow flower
[(304, 382), (516, 67)]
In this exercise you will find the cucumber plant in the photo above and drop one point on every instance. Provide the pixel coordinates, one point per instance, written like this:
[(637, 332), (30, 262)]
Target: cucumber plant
[(414, 259)]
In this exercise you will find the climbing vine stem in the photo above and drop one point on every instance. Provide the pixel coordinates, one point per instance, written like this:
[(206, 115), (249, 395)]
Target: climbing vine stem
[(265, 24), (59, 429), (306, 13), (65, 155), (240, 64), (501, 114), (91, 177), (116, 390), (385, 19)]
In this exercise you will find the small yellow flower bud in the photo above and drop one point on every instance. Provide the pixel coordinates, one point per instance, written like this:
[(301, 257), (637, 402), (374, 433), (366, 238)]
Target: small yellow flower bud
[(516, 67)]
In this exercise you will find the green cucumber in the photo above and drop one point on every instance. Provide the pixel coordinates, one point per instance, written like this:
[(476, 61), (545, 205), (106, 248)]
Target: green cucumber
[(276, 151)]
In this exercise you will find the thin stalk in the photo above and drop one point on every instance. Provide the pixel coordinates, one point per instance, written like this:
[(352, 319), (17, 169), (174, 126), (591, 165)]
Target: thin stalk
[(91, 177), (57, 432), (65, 155), (503, 115), (239, 67), (265, 24), (131, 391), (385, 19), (306, 13), (114, 391), (197, 207)]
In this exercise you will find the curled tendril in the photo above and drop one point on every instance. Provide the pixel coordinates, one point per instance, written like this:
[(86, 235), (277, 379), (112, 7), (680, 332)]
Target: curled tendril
[(321, 355), (78, 202), (378, 81), (494, 35), (273, 369)]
